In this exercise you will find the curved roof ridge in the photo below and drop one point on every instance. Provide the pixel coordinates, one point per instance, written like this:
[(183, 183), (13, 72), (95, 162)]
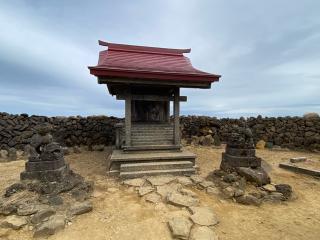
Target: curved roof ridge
[(143, 49)]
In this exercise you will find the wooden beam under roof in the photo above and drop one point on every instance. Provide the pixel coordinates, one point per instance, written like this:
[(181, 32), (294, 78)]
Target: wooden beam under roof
[(151, 98)]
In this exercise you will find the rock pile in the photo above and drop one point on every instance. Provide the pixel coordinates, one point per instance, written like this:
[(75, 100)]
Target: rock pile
[(234, 186), (46, 162), (240, 156), (49, 194)]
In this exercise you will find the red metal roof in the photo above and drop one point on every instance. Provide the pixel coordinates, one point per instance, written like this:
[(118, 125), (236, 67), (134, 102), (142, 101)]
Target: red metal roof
[(142, 62)]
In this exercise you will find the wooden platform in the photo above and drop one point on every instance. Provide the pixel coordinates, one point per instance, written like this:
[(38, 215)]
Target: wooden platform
[(138, 164)]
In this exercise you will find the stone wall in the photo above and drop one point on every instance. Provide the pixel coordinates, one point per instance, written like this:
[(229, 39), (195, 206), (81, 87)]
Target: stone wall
[(286, 132), (291, 132), (16, 130)]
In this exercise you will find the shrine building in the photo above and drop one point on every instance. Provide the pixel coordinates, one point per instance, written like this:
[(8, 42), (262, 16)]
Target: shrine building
[(148, 79)]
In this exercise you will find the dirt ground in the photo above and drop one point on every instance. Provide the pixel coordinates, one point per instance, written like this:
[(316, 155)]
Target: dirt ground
[(120, 214)]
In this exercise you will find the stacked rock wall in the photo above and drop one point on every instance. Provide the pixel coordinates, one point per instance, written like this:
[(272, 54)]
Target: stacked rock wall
[(287, 132), (291, 132), (17, 130)]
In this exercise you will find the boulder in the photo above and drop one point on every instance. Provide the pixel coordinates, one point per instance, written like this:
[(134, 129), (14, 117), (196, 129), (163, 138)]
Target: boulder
[(55, 200), (229, 178), (27, 209), (285, 189), (80, 208), (248, 200), (180, 227), (202, 233), (76, 149), (99, 148), (14, 188), (41, 215), (269, 188), (12, 154), (14, 222), (274, 197), (228, 192), (205, 184), (260, 144), (203, 216), (256, 175), (207, 140), (3, 154), (311, 115), (50, 227), (197, 179)]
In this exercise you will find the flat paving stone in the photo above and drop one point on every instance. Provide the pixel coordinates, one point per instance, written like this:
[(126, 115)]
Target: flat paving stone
[(180, 227), (205, 184), (153, 198), (196, 179), (145, 190), (168, 188), (136, 182), (202, 233), (213, 190), (178, 199), (160, 180), (203, 216), (188, 192), (185, 181)]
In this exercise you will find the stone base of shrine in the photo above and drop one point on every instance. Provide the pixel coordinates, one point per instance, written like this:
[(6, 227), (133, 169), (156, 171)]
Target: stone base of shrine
[(150, 163), (229, 162)]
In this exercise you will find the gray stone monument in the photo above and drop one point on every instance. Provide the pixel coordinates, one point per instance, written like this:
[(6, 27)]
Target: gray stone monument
[(46, 161)]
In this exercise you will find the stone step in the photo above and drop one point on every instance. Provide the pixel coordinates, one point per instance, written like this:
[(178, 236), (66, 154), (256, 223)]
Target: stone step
[(151, 125), (152, 128), (148, 131), (151, 138), (151, 135), (152, 147), (144, 166), (146, 143), (137, 174)]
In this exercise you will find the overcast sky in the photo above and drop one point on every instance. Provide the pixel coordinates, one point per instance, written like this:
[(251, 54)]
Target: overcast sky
[(268, 53)]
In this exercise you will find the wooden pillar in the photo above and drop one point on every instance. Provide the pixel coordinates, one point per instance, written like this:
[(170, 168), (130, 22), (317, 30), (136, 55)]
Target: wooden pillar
[(128, 119), (168, 111), (176, 110)]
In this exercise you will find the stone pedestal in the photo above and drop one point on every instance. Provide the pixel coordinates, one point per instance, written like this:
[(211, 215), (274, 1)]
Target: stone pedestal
[(234, 158), (240, 156), (46, 161)]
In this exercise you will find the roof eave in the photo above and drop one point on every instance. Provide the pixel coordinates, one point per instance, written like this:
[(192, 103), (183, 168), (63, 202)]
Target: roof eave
[(103, 72)]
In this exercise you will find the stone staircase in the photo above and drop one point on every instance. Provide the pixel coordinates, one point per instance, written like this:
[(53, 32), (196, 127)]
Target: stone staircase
[(135, 170), (151, 134), (138, 164)]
